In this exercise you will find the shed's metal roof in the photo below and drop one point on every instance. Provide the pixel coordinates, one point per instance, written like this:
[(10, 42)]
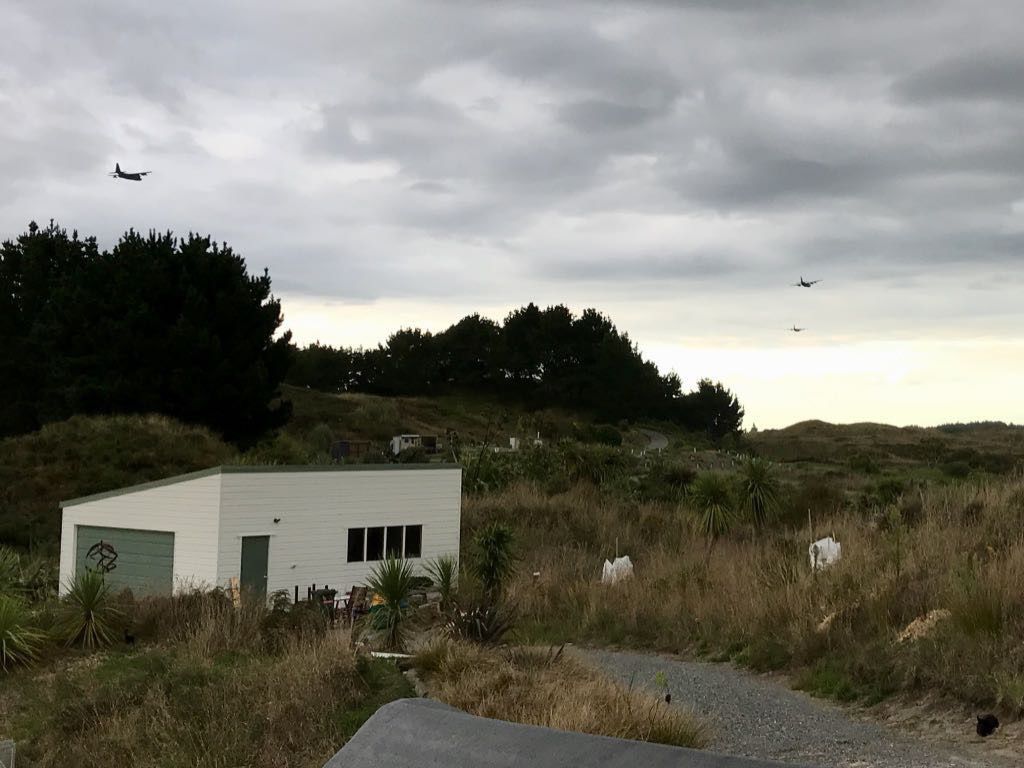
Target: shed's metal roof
[(420, 733), (254, 469)]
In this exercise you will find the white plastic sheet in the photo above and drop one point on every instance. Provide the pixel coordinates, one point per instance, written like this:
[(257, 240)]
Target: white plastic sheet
[(614, 572), (824, 552)]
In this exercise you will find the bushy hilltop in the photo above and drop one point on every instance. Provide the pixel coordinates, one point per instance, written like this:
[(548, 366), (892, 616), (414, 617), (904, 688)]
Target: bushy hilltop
[(823, 466)]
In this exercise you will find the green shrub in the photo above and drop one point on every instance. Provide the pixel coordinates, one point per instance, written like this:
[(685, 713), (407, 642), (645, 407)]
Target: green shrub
[(606, 434), (760, 490), (711, 497), (20, 640), (10, 570), (864, 462), (444, 573), (480, 622), (391, 580), (957, 469), (89, 617), (320, 438), (493, 559), (416, 454)]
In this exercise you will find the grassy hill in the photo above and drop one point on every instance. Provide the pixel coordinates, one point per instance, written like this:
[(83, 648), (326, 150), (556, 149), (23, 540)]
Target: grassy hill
[(826, 464), (990, 447), (374, 418), (86, 455)]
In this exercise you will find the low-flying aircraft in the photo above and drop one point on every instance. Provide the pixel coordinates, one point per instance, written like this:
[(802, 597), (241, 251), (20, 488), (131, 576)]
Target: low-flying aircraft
[(117, 173), (806, 283), (794, 329)]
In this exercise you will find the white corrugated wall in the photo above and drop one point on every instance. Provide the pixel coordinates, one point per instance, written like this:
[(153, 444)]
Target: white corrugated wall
[(316, 509), (189, 509)]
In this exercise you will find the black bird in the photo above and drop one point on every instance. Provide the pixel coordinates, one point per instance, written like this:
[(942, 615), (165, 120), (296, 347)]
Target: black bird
[(668, 698), (277, 519), (987, 724)]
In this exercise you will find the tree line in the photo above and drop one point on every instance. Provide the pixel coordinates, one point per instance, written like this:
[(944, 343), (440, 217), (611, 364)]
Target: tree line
[(542, 357), (158, 324), (162, 324)]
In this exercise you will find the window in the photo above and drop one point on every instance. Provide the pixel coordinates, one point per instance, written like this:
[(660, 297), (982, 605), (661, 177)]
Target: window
[(394, 541), (375, 543), (356, 539), (413, 540), (370, 544)]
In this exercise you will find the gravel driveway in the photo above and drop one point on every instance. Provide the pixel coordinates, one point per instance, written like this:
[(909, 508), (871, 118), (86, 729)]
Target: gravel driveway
[(753, 716)]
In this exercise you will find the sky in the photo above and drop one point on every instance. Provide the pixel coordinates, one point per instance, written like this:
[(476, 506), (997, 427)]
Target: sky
[(676, 164)]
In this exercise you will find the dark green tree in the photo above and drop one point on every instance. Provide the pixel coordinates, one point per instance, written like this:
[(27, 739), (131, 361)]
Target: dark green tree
[(158, 324), (712, 409)]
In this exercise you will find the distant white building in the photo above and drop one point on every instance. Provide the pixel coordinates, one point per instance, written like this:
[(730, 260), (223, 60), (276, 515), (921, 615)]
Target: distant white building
[(270, 528), (399, 443)]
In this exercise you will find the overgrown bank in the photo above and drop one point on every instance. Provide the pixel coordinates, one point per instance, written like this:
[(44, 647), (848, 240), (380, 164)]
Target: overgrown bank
[(954, 548)]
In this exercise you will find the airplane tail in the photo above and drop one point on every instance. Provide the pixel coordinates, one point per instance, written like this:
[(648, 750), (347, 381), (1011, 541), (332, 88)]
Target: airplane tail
[(117, 167)]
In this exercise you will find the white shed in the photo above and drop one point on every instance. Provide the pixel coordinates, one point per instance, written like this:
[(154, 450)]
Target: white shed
[(271, 528)]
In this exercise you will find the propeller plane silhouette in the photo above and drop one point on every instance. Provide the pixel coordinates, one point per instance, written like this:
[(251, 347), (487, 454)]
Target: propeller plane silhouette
[(805, 283), (794, 329), (117, 173)]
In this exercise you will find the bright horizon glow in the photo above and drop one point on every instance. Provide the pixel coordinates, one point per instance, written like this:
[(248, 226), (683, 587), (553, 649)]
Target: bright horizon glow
[(903, 382)]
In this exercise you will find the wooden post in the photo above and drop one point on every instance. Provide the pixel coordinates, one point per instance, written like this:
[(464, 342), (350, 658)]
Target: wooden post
[(296, 594)]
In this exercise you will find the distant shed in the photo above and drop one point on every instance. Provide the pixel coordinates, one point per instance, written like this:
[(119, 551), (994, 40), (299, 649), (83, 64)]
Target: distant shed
[(270, 527)]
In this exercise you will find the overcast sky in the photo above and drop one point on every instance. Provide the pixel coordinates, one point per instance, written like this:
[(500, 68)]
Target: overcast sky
[(676, 164)]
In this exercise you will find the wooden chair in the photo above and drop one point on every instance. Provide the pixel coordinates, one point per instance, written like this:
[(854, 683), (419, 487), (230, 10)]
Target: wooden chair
[(355, 604)]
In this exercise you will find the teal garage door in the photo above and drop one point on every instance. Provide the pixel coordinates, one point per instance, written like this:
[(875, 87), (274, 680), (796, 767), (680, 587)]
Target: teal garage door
[(144, 560)]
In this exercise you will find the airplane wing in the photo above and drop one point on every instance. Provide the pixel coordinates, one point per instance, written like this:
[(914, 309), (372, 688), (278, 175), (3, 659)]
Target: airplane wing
[(144, 173)]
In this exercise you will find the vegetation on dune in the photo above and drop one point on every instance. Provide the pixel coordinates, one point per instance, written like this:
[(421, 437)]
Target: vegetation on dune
[(20, 639), (88, 616), (392, 581), (548, 357), (173, 698), (759, 603), (85, 455), (550, 689), (109, 347)]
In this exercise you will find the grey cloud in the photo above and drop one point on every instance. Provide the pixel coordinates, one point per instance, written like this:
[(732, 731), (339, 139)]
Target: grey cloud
[(839, 139), (597, 115), (647, 268), (981, 75), (431, 187)]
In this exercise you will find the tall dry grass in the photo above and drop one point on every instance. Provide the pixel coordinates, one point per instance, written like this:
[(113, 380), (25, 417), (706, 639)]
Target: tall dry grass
[(959, 548), (536, 687), (215, 687)]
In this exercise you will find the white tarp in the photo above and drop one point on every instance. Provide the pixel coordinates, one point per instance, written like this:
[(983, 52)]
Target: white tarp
[(615, 572), (824, 552)]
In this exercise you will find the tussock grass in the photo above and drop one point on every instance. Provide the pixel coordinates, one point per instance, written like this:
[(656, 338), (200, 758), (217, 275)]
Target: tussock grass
[(757, 602), (205, 695), (545, 687)]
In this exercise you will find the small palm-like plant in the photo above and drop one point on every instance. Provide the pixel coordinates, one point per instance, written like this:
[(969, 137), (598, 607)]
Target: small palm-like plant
[(20, 642), (88, 615), (711, 498), (760, 489), (494, 559), (444, 572), (391, 580)]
